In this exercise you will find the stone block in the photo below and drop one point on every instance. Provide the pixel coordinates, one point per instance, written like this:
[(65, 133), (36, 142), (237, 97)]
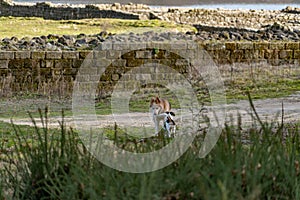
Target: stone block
[(214, 46), (94, 78), (70, 71), (119, 63), (245, 46), (128, 54), (28, 63), (297, 54), (62, 64), (76, 63), (127, 77), (22, 54), (237, 55), (286, 54), (251, 54), (16, 64), (230, 46), (47, 64), (277, 46), (261, 45), (147, 70), (38, 54), (134, 62), (113, 54), (137, 46), (84, 54), (70, 55), (5, 73), (292, 46), (6, 55), (186, 54), (35, 64), (164, 54), (102, 62), (159, 45), (178, 45), (140, 77), (147, 54), (270, 54), (181, 62), (261, 54), (4, 64), (104, 46), (167, 62), (99, 54), (53, 55), (223, 54)]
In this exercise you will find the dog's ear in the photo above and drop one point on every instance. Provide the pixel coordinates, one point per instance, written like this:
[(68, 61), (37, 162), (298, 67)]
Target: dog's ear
[(157, 100), (173, 122), (172, 113), (170, 121), (152, 100)]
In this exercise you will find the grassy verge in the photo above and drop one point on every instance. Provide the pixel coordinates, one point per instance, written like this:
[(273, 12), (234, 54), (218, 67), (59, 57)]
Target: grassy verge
[(261, 89), (19, 106), (235, 90), (32, 26)]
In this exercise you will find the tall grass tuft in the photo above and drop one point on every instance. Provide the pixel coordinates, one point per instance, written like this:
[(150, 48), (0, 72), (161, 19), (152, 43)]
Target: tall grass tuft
[(44, 165)]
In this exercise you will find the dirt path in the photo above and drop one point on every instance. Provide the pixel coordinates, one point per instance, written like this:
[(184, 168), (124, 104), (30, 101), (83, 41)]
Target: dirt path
[(268, 109)]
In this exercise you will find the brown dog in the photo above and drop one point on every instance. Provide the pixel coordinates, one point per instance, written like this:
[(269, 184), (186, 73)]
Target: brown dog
[(158, 106)]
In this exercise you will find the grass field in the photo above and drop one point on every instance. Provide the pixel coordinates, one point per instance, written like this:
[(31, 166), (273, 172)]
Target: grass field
[(32, 26)]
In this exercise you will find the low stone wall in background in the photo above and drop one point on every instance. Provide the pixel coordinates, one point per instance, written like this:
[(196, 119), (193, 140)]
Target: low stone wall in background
[(48, 10), (55, 71)]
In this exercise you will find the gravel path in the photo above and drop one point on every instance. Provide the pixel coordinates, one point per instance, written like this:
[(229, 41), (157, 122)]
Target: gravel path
[(268, 109)]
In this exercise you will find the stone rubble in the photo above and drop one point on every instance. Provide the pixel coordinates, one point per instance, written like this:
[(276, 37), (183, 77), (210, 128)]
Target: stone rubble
[(274, 32)]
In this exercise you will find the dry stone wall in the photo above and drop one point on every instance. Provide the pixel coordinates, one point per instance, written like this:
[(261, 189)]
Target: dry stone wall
[(41, 71), (238, 18), (57, 12)]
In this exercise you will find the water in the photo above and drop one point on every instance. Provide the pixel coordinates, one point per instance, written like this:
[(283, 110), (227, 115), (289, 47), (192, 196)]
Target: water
[(208, 6)]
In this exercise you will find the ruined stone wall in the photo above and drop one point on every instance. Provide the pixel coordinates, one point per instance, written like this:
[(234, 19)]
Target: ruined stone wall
[(57, 12), (39, 71)]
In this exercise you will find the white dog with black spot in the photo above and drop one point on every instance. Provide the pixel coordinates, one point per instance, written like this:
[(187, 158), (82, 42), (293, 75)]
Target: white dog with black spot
[(169, 124), (160, 109)]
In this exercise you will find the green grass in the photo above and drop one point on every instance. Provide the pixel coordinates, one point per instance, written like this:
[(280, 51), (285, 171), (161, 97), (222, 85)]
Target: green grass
[(33, 26), (265, 167), (19, 105), (261, 89), (7, 130)]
